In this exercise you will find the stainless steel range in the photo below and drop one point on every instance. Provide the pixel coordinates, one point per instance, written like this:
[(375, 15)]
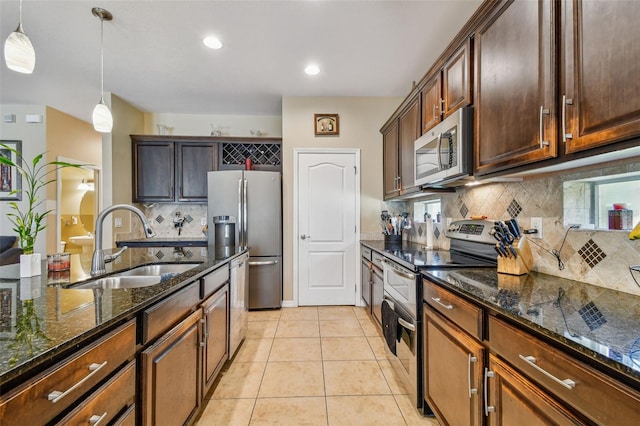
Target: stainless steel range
[(472, 246)]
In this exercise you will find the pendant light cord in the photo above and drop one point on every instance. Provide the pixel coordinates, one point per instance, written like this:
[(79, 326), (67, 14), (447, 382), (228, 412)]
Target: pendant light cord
[(102, 59)]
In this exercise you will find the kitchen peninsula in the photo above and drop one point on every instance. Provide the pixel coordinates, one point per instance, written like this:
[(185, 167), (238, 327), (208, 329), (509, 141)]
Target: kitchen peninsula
[(62, 331)]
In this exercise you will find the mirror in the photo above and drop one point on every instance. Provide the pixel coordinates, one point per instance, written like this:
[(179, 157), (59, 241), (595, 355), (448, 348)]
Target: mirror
[(78, 194)]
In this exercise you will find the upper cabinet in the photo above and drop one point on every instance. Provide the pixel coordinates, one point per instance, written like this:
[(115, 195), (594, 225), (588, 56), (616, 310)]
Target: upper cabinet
[(448, 89), (601, 64), (409, 131), (390, 164), (171, 171), (515, 86)]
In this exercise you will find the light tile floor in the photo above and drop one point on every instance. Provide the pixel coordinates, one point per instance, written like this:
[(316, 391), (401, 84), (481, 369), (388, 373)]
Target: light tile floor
[(310, 366)]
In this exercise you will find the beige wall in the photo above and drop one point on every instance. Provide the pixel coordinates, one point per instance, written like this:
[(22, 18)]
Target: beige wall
[(360, 121), (71, 138), (200, 124)]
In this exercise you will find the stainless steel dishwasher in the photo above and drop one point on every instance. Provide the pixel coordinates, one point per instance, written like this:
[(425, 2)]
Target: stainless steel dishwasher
[(238, 309)]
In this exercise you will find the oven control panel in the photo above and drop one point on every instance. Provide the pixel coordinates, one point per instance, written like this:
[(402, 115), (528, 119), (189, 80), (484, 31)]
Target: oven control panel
[(471, 230)]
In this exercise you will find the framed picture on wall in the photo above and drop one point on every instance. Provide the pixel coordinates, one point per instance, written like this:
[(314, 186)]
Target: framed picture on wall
[(10, 179), (326, 124)]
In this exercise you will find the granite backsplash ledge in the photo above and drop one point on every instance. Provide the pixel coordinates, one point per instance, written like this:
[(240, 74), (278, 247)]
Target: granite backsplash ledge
[(598, 257)]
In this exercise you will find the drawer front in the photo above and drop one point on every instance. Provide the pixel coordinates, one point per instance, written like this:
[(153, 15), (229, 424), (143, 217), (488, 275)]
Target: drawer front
[(68, 380), (595, 395), (106, 402), (462, 313), (365, 252), (214, 280), (128, 418), (377, 259), (164, 315)]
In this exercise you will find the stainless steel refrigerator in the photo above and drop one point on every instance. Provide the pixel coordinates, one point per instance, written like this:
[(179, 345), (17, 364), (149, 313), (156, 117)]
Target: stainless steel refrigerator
[(254, 199)]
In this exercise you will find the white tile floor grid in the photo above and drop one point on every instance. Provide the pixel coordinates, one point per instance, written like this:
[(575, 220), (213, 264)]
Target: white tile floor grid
[(310, 366)]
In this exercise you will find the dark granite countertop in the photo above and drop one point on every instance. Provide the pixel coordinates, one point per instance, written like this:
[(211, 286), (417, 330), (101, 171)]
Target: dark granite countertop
[(601, 324), (42, 319), (163, 242)]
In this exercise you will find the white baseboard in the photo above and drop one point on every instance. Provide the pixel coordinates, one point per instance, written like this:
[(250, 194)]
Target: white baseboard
[(289, 304)]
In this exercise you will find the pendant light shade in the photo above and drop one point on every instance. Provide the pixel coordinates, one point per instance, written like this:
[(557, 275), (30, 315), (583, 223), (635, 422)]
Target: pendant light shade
[(102, 118), (18, 50)]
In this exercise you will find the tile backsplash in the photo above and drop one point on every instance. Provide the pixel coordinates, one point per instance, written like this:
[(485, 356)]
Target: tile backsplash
[(161, 217), (598, 257)]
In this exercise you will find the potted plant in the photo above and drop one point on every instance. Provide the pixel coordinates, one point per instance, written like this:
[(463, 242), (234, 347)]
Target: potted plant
[(27, 221)]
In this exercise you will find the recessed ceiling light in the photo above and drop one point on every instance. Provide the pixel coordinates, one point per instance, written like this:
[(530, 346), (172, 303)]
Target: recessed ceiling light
[(312, 69), (212, 42)]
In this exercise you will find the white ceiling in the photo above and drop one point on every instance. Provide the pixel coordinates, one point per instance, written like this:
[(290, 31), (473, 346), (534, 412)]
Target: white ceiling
[(155, 59)]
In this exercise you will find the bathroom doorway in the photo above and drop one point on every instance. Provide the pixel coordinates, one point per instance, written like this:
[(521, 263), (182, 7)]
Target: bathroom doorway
[(78, 195)]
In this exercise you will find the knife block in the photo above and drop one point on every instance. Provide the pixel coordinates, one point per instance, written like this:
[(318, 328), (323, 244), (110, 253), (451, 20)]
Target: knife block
[(520, 265)]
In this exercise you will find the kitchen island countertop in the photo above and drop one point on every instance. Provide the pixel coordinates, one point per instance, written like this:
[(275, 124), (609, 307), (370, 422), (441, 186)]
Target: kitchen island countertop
[(46, 320)]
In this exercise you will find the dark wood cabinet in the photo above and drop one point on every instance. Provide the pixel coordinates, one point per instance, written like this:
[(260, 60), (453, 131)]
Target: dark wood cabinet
[(409, 131), (390, 170), (377, 288), (600, 64), (512, 398), (215, 312), (515, 86), (170, 388), (448, 89), (166, 171), (453, 368)]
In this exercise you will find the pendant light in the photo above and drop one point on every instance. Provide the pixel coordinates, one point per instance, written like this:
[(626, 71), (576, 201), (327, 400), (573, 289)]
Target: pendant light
[(102, 118), (18, 50)]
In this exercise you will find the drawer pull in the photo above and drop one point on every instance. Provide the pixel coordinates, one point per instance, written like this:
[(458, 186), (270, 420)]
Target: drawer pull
[(437, 300), (567, 383), (56, 396), (472, 391), (96, 419)]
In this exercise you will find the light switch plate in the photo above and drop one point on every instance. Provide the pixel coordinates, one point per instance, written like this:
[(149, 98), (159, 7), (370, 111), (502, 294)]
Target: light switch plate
[(117, 222), (9, 118), (203, 221)]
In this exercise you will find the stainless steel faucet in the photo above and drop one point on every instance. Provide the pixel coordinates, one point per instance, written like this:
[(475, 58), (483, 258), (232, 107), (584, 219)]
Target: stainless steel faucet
[(99, 259)]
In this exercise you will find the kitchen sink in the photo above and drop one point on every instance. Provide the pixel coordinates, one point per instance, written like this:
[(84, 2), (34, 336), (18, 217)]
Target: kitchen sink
[(142, 276)]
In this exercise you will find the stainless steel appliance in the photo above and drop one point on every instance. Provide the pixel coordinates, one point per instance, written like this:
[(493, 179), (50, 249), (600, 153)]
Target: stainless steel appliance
[(254, 198), (471, 246), (238, 311), (443, 155)]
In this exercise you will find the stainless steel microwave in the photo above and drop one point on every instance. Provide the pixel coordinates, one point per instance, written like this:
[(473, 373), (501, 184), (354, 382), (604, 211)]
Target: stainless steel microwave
[(444, 155)]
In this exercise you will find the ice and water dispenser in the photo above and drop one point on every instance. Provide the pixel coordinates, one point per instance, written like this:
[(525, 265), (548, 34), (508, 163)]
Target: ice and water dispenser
[(225, 236)]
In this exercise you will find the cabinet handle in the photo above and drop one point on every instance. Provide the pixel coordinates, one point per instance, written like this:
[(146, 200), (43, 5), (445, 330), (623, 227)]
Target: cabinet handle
[(96, 419), (205, 333), (56, 396), (567, 383), (435, 112), (565, 102), (487, 408), (472, 391), (543, 111), (437, 300)]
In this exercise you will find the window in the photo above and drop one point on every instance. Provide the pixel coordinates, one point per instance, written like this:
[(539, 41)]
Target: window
[(429, 208), (605, 202)]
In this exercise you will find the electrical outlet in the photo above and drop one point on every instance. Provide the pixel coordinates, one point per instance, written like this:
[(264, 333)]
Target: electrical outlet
[(117, 222), (536, 223), (203, 251), (449, 220), (203, 221)]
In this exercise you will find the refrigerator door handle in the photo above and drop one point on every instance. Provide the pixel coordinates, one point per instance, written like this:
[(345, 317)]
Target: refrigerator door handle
[(245, 226), (240, 199)]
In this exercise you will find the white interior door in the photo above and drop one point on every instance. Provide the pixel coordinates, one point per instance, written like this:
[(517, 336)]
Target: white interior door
[(328, 209)]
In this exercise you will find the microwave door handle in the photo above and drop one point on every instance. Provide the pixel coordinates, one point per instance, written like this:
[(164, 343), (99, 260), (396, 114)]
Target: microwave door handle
[(439, 151)]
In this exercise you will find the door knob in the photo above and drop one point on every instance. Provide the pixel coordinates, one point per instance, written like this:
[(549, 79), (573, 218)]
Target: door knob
[(304, 237)]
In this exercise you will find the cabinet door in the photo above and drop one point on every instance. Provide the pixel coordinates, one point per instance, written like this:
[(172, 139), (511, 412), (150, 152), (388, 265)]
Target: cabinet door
[(390, 161), (153, 171), (170, 389), (194, 160), (601, 64), (456, 80), (431, 103), (365, 283), (409, 129), (512, 399), (377, 294), (515, 114), (216, 326), (453, 370)]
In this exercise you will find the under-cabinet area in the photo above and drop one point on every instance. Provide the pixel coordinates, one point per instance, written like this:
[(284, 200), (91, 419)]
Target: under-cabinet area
[(111, 355), (500, 349)]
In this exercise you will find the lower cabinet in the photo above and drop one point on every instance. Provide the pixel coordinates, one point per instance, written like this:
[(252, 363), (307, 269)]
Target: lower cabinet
[(215, 311), (365, 283), (171, 377), (511, 399), (453, 367), (377, 294)]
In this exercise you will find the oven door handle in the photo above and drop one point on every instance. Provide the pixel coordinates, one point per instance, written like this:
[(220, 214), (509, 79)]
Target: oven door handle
[(406, 324), (399, 271)]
